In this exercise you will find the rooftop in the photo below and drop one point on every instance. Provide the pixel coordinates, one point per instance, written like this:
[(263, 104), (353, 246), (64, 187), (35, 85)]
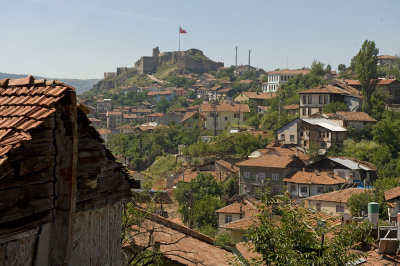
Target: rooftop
[(337, 196), (259, 95), (247, 208), (291, 107), (302, 71), (270, 161), (228, 165), (325, 123), (392, 193), (326, 89), (317, 178), (225, 107)]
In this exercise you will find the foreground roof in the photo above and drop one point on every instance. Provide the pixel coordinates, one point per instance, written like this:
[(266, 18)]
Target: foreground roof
[(355, 116), (247, 208), (24, 104), (317, 178), (325, 123), (326, 89), (337, 196), (353, 164)]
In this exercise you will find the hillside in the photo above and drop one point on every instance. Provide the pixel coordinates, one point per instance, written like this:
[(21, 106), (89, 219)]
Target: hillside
[(81, 85)]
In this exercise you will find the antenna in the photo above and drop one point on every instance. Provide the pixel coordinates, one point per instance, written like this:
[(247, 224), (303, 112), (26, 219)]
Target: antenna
[(236, 57), (249, 56)]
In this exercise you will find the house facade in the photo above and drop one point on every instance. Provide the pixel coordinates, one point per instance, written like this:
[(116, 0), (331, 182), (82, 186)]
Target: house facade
[(258, 97), (220, 116), (313, 100), (306, 184), (279, 77), (104, 105), (356, 120), (114, 119), (257, 172)]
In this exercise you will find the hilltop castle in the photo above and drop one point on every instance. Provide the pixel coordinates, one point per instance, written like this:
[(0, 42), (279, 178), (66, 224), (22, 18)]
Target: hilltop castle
[(192, 60)]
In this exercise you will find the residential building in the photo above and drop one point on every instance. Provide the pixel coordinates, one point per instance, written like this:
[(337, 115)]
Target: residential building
[(392, 197), (212, 93), (154, 117), (266, 169), (305, 184), (226, 84), (225, 94), (129, 118), (313, 100), (293, 109), (114, 119), (241, 210), (262, 109), (353, 170), (356, 120), (104, 105), (179, 92), (279, 77), (122, 109), (334, 203), (105, 134), (141, 112), (227, 167), (386, 60), (173, 117), (193, 119), (95, 122), (240, 70), (289, 133), (258, 97), (61, 187), (221, 115), (128, 129), (156, 96)]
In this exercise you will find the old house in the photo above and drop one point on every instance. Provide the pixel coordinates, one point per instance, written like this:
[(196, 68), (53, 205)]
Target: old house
[(278, 77), (356, 120), (225, 94), (392, 197), (104, 105), (105, 134), (292, 109), (353, 170), (240, 70), (267, 169), (221, 115), (129, 118), (232, 218), (258, 97), (114, 120), (95, 122), (305, 184), (193, 119), (61, 189), (313, 100), (334, 203), (156, 96), (154, 117)]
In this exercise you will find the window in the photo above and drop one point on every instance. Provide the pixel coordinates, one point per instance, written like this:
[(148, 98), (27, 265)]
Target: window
[(341, 173), (309, 99), (275, 177), (305, 143), (236, 115), (320, 99), (309, 111), (304, 111), (226, 118), (325, 99), (301, 133), (303, 189), (228, 218), (339, 208), (275, 190), (304, 99), (246, 174), (291, 138), (260, 177), (319, 189), (318, 207), (293, 187), (283, 137)]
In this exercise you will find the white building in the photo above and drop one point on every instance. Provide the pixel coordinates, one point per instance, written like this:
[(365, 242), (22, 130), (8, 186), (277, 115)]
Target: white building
[(279, 77)]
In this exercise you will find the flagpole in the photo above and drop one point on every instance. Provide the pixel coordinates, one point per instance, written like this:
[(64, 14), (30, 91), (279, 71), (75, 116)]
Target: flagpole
[(179, 32)]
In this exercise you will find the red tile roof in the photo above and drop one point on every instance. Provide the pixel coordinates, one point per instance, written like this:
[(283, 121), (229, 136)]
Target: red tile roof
[(156, 115), (226, 107), (337, 196), (259, 95), (245, 81), (355, 82), (392, 193), (129, 116), (104, 131), (227, 165), (326, 89), (385, 56), (153, 93), (24, 104), (247, 208), (242, 224), (188, 115), (355, 116), (290, 71), (269, 161), (291, 107), (317, 178)]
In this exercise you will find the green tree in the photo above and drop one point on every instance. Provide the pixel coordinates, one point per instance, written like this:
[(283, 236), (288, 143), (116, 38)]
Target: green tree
[(334, 107), (342, 68), (387, 132), (317, 68), (204, 211), (162, 106), (358, 203), (328, 69), (366, 69), (286, 235)]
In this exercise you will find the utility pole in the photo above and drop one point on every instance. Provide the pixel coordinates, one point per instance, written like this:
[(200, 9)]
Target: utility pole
[(236, 58)]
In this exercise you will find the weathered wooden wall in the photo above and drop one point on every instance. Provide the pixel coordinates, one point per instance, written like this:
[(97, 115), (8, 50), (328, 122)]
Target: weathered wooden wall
[(97, 236)]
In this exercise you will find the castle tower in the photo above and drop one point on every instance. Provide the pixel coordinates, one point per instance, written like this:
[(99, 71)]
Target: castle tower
[(156, 52)]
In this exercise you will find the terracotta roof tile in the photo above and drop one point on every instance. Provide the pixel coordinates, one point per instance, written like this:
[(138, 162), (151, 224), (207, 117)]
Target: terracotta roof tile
[(291, 107), (355, 116), (24, 104), (225, 107), (290, 71), (337, 196), (392, 193), (269, 161), (227, 165), (318, 178), (247, 208), (326, 89), (242, 224), (259, 95)]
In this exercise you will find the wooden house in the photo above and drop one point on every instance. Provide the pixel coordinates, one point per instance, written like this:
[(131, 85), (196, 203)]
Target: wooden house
[(61, 189)]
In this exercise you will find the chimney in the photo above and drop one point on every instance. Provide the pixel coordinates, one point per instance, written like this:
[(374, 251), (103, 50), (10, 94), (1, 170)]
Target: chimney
[(304, 169)]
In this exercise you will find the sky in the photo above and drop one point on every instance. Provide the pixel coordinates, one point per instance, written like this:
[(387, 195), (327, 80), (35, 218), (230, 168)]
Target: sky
[(85, 38)]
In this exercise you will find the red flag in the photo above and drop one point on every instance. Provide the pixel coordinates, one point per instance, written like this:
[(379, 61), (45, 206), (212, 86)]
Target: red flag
[(182, 30)]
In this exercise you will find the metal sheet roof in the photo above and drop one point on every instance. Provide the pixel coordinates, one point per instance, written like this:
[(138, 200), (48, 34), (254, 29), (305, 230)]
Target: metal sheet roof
[(325, 123), (350, 164)]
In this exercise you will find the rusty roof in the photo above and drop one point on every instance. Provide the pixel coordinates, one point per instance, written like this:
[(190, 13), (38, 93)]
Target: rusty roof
[(326, 89), (226, 107), (259, 95), (392, 193), (24, 104), (317, 178), (337, 196), (355, 116), (245, 81), (303, 71), (227, 165), (189, 115), (129, 116), (269, 161), (291, 107)]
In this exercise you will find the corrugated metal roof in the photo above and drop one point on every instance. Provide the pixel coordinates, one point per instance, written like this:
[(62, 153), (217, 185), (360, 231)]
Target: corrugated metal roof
[(350, 164), (325, 123)]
